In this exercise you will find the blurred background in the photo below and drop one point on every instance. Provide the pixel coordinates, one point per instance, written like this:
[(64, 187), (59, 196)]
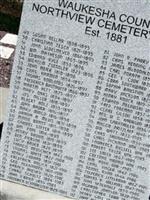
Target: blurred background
[(10, 13)]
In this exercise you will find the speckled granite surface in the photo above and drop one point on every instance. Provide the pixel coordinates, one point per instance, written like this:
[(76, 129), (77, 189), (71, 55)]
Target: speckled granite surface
[(8, 190)]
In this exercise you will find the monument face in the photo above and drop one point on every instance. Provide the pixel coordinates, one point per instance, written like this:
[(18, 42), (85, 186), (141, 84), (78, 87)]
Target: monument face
[(78, 120)]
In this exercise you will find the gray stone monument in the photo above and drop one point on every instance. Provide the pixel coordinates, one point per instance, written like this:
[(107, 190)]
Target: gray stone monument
[(78, 114)]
